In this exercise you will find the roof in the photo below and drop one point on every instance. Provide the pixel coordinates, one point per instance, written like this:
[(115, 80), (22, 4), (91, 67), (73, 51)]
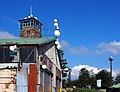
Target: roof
[(116, 86), (35, 18), (26, 41)]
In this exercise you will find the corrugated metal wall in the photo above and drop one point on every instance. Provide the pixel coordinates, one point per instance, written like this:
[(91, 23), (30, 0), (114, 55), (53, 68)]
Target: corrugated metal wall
[(47, 81), (41, 80), (22, 84)]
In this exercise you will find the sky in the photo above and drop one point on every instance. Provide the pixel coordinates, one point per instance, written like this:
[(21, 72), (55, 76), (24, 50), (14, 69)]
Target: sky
[(90, 29)]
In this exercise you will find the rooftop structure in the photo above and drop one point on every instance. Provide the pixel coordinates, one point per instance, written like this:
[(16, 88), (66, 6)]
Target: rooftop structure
[(30, 27)]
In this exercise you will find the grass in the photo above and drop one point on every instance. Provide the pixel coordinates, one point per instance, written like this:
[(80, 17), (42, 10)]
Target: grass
[(85, 90)]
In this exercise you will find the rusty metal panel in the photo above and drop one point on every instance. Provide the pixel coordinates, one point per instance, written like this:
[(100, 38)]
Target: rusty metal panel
[(58, 73), (48, 62), (8, 80), (32, 78)]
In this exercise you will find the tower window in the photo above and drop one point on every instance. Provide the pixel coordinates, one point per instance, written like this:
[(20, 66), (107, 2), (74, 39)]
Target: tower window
[(24, 25), (28, 24), (31, 23), (28, 31)]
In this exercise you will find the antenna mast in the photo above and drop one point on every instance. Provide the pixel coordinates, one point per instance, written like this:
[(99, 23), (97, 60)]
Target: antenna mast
[(31, 11)]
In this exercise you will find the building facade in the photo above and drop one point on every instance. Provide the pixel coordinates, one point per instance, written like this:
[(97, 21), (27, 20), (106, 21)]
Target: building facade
[(30, 63)]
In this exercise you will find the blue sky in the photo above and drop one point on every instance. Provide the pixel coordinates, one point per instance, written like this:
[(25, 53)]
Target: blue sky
[(90, 29)]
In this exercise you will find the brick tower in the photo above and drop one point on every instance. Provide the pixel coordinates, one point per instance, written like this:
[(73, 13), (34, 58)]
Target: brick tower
[(30, 27)]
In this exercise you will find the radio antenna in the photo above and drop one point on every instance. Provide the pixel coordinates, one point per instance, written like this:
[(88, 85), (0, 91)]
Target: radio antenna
[(31, 11)]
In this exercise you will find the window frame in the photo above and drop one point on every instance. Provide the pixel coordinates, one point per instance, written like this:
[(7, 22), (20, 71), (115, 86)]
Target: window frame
[(27, 53), (5, 55)]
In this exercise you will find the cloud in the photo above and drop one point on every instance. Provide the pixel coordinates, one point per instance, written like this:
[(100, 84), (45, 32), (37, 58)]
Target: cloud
[(74, 50), (79, 50), (91, 69), (6, 35), (114, 72), (112, 47), (65, 44), (76, 69), (101, 48)]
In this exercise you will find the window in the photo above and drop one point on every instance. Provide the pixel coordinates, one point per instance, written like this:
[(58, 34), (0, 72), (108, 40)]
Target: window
[(31, 23), (27, 55), (24, 24), (21, 27), (5, 55), (28, 24), (28, 31), (1, 54)]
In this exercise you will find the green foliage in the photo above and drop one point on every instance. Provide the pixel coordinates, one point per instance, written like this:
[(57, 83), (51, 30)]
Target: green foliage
[(89, 80), (64, 84), (85, 90), (84, 77), (105, 76), (117, 79), (74, 83), (92, 82), (63, 63), (85, 80)]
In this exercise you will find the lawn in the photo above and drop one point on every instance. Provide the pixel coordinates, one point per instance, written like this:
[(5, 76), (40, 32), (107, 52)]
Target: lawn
[(85, 90)]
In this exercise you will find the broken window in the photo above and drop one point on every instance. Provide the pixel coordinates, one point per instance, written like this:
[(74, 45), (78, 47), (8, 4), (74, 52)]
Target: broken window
[(27, 55)]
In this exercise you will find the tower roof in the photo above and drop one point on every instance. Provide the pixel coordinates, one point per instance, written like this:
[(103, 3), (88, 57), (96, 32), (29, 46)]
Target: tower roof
[(29, 18)]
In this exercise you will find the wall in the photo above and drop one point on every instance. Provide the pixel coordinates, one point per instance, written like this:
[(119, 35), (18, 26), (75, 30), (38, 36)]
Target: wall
[(51, 52)]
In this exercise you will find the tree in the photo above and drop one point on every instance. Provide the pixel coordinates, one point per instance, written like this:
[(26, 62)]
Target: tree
[(72, 83), (92, 82), (117, 79), (84, 77), (63, 64), (105, 76), (66, 71)]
